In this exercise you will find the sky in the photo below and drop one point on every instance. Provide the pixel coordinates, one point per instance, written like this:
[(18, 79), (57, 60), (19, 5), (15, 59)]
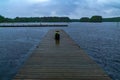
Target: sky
[(70, 8)]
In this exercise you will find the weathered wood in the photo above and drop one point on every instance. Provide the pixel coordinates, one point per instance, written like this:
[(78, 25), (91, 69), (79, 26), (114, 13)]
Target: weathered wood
[(63, 61)]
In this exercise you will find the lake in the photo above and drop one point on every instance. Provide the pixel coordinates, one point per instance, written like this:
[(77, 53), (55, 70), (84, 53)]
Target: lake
[(99, 40)]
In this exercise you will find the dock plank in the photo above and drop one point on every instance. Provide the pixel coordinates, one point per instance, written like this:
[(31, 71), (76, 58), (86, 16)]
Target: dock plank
[(63, 61)]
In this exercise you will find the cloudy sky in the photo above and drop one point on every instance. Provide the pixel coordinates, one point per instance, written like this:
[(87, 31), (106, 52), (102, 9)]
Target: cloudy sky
[(70, 8)]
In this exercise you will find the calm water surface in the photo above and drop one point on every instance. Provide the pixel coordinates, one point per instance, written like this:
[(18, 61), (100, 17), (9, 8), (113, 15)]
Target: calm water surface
[(16, 45), (100, 40)]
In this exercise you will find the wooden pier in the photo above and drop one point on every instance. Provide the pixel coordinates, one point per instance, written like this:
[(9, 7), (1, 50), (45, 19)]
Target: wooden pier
[(60, 60)]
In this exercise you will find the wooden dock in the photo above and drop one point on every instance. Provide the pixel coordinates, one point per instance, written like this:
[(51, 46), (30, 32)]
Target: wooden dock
[(64, 60)]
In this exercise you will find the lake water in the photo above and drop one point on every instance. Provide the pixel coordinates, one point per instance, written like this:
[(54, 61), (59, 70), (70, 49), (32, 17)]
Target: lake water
[(99, 40)]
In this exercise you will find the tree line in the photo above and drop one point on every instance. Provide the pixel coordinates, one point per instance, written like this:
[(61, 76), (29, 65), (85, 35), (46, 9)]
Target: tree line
[(114, 19), (92, 19), (99, 19), (95, 18), (35, 19)]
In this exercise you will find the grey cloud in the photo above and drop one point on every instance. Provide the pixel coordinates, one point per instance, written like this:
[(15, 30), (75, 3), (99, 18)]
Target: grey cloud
[(61, 7), (94, 7), (71, 8)]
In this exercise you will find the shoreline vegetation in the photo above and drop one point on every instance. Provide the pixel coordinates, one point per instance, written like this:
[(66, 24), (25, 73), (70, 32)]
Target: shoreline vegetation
[(95, 18), (33, 25)]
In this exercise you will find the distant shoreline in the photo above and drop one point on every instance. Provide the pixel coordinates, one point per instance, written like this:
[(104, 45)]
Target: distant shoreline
[(31, 25)]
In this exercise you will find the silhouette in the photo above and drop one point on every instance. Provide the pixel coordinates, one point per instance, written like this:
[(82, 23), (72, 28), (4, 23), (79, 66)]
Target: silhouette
[(57, 42), (57, 37)]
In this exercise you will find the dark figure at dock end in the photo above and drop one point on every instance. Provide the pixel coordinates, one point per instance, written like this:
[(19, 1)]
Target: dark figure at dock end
[(57, 35)]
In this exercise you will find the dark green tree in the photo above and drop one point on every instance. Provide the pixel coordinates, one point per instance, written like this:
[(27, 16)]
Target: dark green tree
[(2, 19), (96, 19), (42, 19), (114, 19), (84, 19), (9, 20)]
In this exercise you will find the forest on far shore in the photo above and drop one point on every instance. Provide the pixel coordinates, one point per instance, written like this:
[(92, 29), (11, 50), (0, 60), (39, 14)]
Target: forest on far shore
[(58, 19)]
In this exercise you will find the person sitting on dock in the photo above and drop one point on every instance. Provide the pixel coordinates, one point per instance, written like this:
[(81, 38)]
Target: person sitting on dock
[(57, 35)]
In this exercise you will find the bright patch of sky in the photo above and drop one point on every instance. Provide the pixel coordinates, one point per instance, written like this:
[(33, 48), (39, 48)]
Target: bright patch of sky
[(38, 1)]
